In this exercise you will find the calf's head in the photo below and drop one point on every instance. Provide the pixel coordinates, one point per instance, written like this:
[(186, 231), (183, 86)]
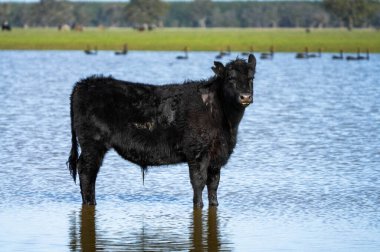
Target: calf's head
[(237, 77)]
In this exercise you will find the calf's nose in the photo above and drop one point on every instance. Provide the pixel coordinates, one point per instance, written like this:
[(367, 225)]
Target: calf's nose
[(245, 99)]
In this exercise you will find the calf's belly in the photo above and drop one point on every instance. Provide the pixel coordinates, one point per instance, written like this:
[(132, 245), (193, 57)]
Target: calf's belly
[(149, 152)]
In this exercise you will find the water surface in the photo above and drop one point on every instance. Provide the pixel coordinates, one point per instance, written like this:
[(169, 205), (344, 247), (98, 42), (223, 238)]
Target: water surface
[(303, 177)]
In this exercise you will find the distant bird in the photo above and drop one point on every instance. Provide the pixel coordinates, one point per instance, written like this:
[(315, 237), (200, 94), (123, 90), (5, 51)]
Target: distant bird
[(88, 51), (364, 57), (268, 55), (222, 53), (228, 50), (352, 57), (367, 52), (338, 57), (358, 56), (315, 55), (248, 53), (303, 55), (124, 51), (186, 56)]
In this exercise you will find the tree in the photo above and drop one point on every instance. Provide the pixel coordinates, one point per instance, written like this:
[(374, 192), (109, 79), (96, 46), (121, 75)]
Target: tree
[(350, 12), (375, 19), (200, 10), (51, 13), (5, 10), (140, 12)]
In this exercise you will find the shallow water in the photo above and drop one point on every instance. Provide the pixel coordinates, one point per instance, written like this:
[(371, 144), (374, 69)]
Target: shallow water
[(303, 177)]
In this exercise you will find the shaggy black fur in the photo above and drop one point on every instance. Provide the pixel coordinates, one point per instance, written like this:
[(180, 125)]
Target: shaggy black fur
[(196, 122)]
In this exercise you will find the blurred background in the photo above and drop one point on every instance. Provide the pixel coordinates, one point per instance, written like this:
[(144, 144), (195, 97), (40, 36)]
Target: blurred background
[(197, 13)]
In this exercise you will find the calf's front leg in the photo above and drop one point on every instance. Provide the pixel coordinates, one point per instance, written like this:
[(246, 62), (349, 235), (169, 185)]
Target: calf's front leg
[(198, 178), (213, 177)]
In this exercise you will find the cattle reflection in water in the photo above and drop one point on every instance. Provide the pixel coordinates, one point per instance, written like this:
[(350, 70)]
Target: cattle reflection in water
[(204, 234), (85, 240)]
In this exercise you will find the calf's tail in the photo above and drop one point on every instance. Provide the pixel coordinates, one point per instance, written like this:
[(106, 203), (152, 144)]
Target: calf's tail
[(73, 158)]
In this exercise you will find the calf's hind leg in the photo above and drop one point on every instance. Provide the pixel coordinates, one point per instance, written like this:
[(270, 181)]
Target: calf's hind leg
[(213, 177), (89, 163)]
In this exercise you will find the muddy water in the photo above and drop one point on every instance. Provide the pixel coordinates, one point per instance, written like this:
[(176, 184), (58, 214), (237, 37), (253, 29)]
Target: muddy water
[(303, 177)]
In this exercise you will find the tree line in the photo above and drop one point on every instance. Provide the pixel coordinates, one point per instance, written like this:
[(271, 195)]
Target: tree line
[(197, 13)]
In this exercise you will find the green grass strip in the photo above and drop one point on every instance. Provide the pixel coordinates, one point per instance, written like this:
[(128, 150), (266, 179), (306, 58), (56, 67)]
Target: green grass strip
[(210, 39)]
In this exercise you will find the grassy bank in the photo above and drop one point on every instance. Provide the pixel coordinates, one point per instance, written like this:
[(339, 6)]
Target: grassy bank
[(239, 39)]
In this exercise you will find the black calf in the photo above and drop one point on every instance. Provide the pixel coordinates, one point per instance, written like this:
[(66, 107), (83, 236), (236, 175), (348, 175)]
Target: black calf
[(196, 122)]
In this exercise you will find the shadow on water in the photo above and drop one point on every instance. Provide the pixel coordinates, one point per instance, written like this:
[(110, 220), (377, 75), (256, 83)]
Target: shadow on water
[(204, 235)]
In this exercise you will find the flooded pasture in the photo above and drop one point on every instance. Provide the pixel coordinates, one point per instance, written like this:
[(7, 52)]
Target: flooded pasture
[(305, 175)]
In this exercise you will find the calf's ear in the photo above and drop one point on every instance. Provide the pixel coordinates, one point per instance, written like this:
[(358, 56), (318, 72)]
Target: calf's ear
[(252, 61), (218, 68)]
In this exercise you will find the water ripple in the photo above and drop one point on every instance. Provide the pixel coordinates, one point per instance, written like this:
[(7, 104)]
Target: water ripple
[(305, 172)]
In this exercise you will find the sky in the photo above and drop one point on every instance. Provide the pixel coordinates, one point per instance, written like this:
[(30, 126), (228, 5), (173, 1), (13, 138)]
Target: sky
[(29, 1)]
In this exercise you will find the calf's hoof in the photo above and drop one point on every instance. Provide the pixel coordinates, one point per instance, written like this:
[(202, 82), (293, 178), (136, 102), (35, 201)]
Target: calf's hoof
[(198, 204), (89, 202), (213, 203)]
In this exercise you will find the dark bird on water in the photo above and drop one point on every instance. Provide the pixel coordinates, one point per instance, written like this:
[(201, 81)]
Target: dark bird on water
[(222, 53), (183, 57), (338, 57), (303, 55), (315, 55), (307, 55), (88, 51), (124, 51), (268, 55), (358, 56), (248, 53)]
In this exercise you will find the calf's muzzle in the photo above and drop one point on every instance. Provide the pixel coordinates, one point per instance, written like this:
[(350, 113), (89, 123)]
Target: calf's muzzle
[(245, 99)]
